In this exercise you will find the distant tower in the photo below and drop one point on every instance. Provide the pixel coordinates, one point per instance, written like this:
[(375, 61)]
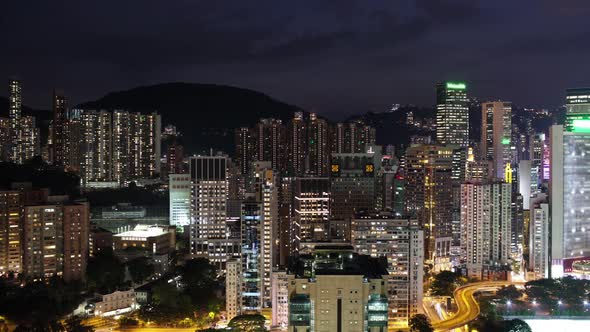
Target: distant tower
[(452, 114), (14, 114), (59, 128), (496, 130)]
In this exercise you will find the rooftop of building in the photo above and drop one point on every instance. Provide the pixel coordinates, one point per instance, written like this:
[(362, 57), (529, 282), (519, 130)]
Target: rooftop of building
[(336, 260), (145, 231)]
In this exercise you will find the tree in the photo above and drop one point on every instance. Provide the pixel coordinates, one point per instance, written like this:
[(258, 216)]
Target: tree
[(445, 283), (516, 325), (420, 323), (200, 278), (74, 324), (140, 269), (247, 323), (105, 273), (509, 292)]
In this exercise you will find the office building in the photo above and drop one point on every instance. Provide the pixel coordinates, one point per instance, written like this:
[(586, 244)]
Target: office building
[(452, 114), (179, 186), (335, 289), (539, 241), (429, 198), (209, 235), (252, 220), (311, 207), (496, 134), (485, 227), (569, 184), (354, 188), (402, 243)]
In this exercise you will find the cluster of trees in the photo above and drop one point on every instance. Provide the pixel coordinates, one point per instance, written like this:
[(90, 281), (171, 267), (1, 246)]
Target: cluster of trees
[(195, 302), (247, 323), (41, 175), (445, 283), (568, 291), (39, 306), (490, 321), (106, 273)]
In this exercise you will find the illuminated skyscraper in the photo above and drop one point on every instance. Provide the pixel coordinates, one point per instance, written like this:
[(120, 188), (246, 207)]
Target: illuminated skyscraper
[(14, 114), (452, 114), (267, 194), (352, 137), (180, 199), (402, 243), (5, 146), (117, 146), (271, 138), (30, 141), (58, 140), (539, 241), (297, 145), (485, 227), (354, 188), (245, 143), (428, 194), (496, 133), (318, 147), (570, 184), (11, 216), (251, 245), (210, 236), (311, 220)]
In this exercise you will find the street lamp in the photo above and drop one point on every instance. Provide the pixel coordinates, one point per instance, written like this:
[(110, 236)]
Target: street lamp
[(508, 302), (534, 302), (585, 302), (559, 302)]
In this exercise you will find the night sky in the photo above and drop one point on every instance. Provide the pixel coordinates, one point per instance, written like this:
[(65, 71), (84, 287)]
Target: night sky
[(334, 57)]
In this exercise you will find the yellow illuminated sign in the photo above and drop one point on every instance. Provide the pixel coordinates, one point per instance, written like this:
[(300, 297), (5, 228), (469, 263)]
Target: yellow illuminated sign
[(508, 173), (335, 168), (369, 168)]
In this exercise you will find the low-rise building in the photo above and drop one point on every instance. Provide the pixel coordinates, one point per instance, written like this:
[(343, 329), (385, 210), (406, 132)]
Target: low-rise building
[(115, 303), (154, 239)]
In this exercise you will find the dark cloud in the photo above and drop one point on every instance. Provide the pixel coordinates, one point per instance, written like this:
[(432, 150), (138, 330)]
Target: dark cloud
[(333, 56)]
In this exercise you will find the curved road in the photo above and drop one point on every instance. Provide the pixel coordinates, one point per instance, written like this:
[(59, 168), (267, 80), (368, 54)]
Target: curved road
[(468, 309)]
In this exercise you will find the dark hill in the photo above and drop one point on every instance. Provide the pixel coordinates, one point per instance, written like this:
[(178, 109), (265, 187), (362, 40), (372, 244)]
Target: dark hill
[(206, 114)]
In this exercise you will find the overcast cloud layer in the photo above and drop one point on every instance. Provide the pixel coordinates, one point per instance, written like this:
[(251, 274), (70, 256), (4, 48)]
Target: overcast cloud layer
[(335, 57)]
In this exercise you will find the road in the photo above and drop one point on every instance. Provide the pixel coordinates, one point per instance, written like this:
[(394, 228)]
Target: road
[(468, 309)]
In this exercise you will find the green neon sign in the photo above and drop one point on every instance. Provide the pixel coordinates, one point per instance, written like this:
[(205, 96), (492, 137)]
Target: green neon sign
[(505, 141), (581, 126), (456, 86)]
